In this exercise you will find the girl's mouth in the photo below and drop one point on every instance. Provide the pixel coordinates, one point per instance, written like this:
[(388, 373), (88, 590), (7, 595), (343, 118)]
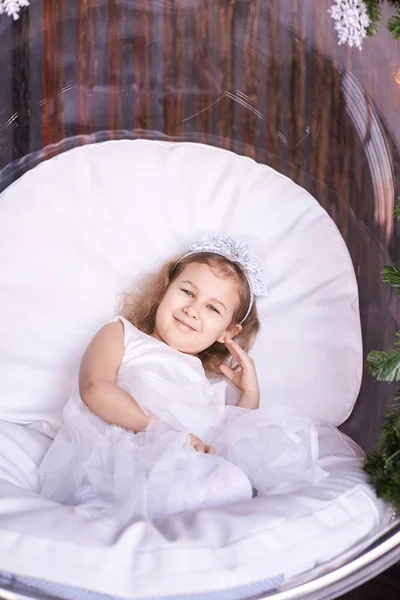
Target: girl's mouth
[(182, 326)]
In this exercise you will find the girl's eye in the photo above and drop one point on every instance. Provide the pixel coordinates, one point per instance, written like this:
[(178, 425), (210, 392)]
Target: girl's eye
[(213, 308), (189, 293)]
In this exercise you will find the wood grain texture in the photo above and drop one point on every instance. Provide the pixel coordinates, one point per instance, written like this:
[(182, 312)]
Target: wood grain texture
[(225, 20), (173, 53), (20, 86), (250, 81), (114, 66), (53, 73), (86, 68), (142, 46), (270, 35)]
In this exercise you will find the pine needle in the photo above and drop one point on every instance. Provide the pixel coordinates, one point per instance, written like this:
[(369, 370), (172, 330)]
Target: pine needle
[(391, 275), (374, 12), (397, 209), (383, 464), (394, 25), (384, 366)]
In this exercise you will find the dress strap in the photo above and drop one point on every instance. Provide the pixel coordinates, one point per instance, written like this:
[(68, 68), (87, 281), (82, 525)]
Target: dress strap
[(129, 329)]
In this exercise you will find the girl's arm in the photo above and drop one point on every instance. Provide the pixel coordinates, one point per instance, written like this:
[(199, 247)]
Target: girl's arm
[(97, 377), (250, 401)]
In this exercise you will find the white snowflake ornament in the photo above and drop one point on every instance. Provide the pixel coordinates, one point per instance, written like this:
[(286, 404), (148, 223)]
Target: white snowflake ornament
[(352, 21), (12, 7)]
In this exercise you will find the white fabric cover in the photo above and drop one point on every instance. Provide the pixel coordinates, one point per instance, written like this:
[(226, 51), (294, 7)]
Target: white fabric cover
[(74, 232), (77, 230), (282, 534)]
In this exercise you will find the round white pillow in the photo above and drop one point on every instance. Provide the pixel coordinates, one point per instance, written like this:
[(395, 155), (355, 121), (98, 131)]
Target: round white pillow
[(78, 229)]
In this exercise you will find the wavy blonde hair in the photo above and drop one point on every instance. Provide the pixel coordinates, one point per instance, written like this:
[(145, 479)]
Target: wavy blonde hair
[(140, 305)]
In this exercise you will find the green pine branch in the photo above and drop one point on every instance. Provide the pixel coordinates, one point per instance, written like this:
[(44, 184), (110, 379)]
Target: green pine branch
[(394, 25), (397, 209), (383, 464), (374, 11), (384, 366), (391, 275)]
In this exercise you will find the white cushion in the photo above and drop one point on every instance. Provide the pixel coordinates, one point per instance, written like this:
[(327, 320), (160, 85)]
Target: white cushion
[(76, 230), (278, 537)]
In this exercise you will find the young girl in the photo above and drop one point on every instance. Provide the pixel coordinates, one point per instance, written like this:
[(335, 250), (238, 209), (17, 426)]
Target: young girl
[(150, 434)]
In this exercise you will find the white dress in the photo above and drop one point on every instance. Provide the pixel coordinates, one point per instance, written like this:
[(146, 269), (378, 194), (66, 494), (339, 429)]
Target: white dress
[(156, 473)]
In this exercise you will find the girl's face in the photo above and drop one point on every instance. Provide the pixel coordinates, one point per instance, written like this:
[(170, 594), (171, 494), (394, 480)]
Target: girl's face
[(196, 310)]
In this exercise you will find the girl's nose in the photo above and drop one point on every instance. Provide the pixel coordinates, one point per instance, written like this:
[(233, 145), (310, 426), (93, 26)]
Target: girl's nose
[(191, 311)]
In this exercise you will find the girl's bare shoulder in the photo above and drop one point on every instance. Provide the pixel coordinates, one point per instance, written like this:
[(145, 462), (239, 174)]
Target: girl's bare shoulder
[(103, 356)]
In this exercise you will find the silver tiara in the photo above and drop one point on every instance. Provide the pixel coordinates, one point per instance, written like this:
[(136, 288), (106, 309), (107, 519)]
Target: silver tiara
[(239, 254)]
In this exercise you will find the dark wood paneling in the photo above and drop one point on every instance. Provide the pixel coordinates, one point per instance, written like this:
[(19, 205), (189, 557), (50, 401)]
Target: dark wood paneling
[(20, 86), (53, 73), (87, 65)]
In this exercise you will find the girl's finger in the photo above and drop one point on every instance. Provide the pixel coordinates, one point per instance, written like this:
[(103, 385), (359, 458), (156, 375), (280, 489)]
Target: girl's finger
[(210, 450), (234, 347), (239, 349), (199, 447), (236, 356), (227, 371)]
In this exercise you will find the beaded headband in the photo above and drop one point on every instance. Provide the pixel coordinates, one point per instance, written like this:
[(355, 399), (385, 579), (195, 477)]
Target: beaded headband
[(238, 254)]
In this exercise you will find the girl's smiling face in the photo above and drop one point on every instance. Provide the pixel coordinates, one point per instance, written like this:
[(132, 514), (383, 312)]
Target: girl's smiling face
[(197, 310)]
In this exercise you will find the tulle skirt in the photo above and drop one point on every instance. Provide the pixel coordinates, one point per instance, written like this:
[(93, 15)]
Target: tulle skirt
[(156, 473)]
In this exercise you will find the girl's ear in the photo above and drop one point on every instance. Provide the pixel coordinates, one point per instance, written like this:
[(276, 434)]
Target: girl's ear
[(231, 332)]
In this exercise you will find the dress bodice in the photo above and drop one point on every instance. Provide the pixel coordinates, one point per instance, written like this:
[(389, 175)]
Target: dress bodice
[(168, 383)]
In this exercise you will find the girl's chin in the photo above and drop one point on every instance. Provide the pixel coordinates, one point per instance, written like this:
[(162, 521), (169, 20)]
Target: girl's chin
[(180, 344)]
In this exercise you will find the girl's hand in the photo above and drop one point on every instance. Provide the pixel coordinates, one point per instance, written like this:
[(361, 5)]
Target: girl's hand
[(199, 446), (245, 379)]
